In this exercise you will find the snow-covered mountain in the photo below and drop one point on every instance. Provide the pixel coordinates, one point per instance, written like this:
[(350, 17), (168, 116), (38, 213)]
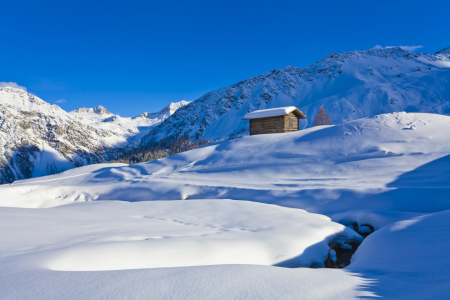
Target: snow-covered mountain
[(444, 51), (38, 138), (349, 86), (163, 114)]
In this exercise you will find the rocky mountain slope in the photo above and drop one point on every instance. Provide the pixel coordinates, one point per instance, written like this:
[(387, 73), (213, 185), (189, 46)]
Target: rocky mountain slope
[(38, 138), (349, 86)]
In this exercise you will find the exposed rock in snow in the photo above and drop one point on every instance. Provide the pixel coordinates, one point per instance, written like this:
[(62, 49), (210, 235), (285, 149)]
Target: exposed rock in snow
[(333, 255), (375, 218), (164, 113), (99, 110), (444, 51), (365, 229)]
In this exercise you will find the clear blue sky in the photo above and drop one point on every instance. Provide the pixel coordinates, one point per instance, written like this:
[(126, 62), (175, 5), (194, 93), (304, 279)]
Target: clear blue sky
[(134, 56)]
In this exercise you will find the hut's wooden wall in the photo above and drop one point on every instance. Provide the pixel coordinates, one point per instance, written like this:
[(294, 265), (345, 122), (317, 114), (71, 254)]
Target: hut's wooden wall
[(266, 125), (277, 124), (290, 122)]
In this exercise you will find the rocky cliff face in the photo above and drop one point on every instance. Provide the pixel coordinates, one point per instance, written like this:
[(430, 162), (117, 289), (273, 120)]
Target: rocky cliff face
[(349, 86), (37, 138)]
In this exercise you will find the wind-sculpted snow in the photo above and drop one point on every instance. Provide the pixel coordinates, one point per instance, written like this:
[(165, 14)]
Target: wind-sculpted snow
[(349, 86), (136, 250), (41, 139), (189, 233), (408, 259), (389, 162), (384, 173)]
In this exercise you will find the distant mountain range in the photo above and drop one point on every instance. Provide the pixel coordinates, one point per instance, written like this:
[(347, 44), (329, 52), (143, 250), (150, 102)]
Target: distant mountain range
[(37, 138)]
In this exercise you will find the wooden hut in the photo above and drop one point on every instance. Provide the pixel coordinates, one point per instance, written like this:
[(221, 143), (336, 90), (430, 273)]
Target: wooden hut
[(274, 120)]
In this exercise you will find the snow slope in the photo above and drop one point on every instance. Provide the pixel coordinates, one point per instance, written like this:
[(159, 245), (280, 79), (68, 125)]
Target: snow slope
[(113, 249), (349, 86), (408, 259), (404, 260), (388, 171), (374, 163), (169, 234)]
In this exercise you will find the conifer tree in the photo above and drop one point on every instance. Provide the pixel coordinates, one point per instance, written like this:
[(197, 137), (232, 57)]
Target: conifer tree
[(322, 118)]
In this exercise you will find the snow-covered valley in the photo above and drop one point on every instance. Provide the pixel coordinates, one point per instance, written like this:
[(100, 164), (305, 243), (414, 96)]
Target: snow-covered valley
[(251, 218)]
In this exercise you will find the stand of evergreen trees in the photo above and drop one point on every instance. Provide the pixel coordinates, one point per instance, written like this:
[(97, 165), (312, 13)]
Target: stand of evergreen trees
[(160, 149)]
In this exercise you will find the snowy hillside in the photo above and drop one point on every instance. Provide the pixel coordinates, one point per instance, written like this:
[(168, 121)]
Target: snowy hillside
[(349, 86), (386, 162), (95, 224), (38, 139)]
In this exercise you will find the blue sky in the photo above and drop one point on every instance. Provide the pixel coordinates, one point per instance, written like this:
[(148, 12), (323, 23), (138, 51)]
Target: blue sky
[(134, 56)]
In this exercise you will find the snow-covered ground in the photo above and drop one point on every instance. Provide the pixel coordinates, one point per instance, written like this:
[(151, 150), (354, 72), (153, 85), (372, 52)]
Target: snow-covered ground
[(54, 249), (391, 172), (408, 259), (373, 163)]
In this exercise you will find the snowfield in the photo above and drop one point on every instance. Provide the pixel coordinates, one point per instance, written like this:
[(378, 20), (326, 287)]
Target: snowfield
[(118, 238), (94, 232), (372, 163), (408, 259), (173, 233)]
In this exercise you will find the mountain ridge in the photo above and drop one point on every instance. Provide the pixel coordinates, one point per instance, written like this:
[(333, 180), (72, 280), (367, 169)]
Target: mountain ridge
[(324, 83), (38, 138)]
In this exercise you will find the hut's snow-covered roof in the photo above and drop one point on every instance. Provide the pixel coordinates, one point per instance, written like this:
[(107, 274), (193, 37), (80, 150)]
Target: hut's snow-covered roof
[(273, 112)]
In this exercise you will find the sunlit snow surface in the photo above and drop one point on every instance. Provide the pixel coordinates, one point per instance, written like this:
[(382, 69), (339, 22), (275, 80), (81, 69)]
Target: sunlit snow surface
[(53, 248), (390, 171), (373, 163)]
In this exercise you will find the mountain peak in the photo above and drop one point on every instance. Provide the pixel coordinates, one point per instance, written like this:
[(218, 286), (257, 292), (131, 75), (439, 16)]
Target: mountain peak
[(12, 89), (166, 111), (24, 101), (98, 110), (444, 51), (173, 106)]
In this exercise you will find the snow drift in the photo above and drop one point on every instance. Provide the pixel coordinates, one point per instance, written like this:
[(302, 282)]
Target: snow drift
[(373, 163), (388, 171)]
